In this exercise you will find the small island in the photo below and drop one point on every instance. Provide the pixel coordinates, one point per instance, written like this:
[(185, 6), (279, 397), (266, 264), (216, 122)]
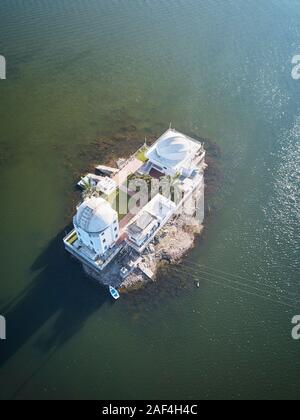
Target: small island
[(143, 213)]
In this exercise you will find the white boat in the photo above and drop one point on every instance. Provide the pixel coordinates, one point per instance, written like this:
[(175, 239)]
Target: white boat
[(114, 293)]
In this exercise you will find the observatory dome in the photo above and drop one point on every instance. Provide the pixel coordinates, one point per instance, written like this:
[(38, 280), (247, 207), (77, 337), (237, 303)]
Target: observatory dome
[(94, 215), (173, 149)]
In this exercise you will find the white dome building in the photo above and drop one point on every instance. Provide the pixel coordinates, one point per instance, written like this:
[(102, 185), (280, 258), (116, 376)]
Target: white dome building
[(96, 224), (174, 153), (172, 149)]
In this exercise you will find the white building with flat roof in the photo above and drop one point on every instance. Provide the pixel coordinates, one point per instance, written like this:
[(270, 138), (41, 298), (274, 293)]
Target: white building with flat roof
[(149, 221), (174, 153), (106, 185)]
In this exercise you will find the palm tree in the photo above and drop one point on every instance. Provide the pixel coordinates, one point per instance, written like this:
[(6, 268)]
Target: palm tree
[(89, 188)]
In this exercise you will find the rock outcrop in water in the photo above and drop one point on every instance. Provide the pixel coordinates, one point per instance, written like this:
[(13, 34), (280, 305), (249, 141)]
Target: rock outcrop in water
[(170, 246)]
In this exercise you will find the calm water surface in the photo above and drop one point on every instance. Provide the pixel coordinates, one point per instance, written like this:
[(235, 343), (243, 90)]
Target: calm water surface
[(78, 73)]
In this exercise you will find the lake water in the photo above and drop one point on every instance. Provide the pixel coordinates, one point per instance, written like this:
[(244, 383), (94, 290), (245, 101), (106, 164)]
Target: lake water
[(80, 75)]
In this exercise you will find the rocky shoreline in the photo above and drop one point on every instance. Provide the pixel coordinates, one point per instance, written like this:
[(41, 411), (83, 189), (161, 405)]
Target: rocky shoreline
[(171, 245)]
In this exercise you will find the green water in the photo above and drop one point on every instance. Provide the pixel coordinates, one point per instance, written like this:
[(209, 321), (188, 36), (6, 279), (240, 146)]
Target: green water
[(81, 72)]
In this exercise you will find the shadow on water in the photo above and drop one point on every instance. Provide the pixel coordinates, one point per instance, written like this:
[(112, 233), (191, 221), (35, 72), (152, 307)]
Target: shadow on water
[(59, 289)]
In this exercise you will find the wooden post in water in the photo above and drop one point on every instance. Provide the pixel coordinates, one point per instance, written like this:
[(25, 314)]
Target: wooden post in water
[(2, 328), (2, 67)]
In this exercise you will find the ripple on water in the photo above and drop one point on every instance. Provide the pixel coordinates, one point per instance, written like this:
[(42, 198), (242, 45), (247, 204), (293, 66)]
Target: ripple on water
[(282, 210)]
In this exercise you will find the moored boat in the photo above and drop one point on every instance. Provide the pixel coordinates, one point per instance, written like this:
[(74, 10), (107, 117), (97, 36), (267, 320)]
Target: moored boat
[(114, 293)]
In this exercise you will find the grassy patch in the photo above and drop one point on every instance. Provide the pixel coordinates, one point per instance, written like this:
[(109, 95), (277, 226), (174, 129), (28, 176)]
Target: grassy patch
[(141, 154), (115, 199)]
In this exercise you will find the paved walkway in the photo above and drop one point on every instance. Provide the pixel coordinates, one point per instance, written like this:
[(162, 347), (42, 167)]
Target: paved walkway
[(131, 167), (124, 222)]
